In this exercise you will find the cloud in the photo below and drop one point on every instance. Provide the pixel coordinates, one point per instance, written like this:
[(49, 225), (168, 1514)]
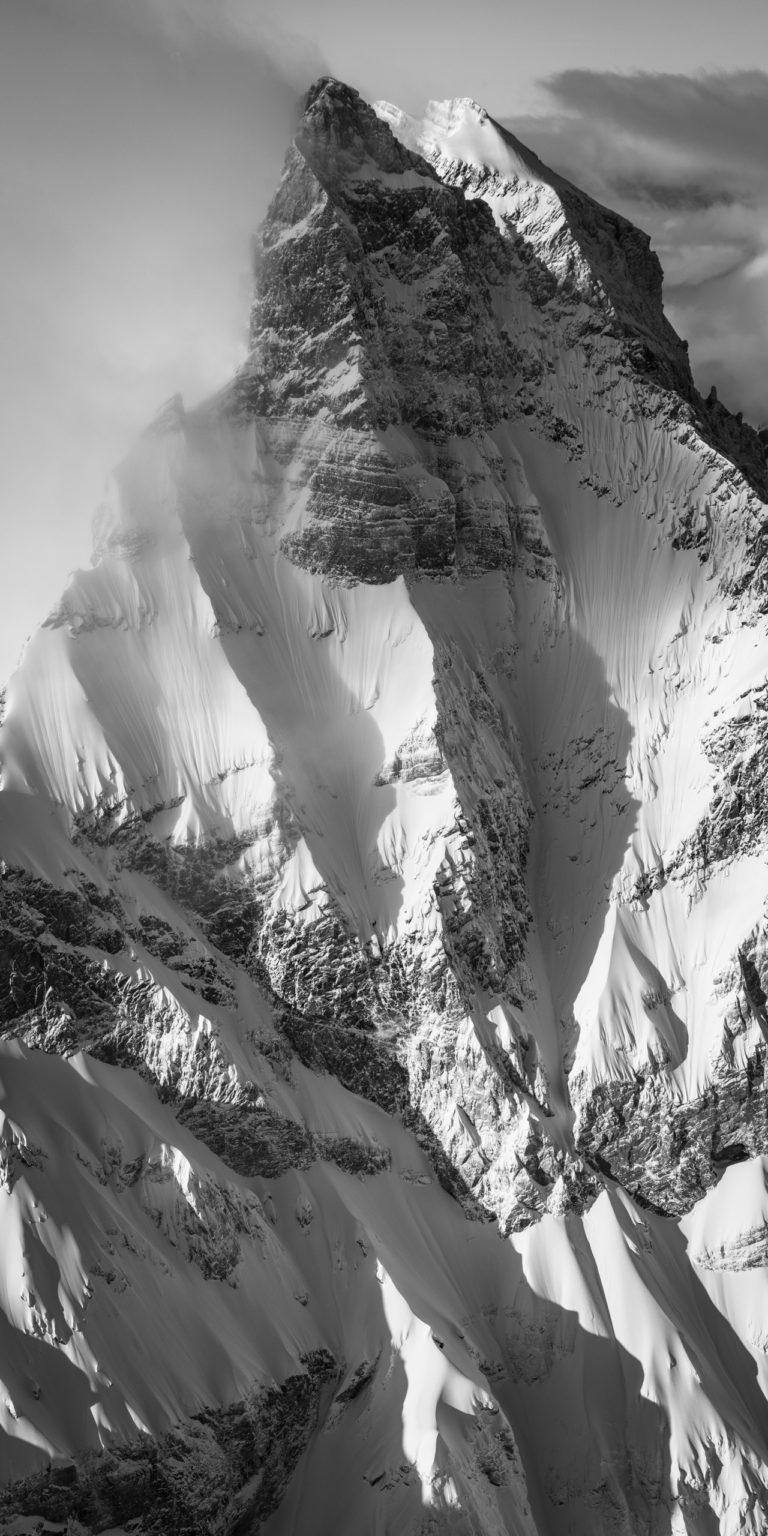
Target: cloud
[(139, 146), (682, 156), (245, 25)]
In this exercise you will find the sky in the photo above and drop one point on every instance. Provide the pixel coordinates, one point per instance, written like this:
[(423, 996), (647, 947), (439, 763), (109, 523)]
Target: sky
[(140, 141)]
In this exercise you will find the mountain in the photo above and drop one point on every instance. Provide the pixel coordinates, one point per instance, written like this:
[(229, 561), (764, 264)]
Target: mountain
[(382, 1073)]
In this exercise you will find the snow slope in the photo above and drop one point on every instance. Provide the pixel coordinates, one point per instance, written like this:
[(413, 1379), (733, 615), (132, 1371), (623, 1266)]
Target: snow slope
[(383, 891)]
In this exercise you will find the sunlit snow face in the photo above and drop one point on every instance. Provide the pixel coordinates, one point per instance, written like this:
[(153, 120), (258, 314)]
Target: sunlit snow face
[(431, 1380)]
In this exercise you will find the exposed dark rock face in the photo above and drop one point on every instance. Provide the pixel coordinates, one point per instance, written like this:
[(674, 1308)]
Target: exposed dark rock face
[(256, 1142), (669, 1152), (375, 313), (225, 1469)]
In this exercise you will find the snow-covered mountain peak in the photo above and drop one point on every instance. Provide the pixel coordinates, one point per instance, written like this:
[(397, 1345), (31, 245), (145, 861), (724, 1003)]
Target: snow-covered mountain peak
[(383, 901), (462, 131), (341, 136)]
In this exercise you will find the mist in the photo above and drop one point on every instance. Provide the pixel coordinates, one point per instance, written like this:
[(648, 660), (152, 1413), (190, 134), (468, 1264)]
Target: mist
[(139, 147)]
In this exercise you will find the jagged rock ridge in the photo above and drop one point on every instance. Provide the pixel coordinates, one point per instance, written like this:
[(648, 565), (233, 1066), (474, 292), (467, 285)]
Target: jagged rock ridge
[(383, 899)]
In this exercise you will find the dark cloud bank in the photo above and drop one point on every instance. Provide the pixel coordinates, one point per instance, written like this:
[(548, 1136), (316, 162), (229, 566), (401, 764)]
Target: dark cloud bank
[(684, 157)]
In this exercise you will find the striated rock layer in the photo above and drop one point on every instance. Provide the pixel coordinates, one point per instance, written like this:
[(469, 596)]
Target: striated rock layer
[(383, 904)]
